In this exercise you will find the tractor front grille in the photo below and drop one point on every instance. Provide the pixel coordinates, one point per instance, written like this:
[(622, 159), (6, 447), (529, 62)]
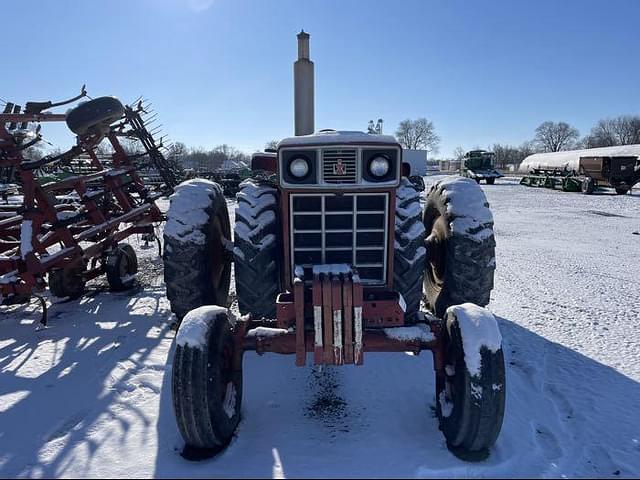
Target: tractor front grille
[(350, 228), (339, 166)]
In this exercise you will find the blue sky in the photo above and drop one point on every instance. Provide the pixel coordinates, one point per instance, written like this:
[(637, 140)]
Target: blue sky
[(220, 71)]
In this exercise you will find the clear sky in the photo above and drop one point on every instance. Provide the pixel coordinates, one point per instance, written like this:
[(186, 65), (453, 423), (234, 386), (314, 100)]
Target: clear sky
[(220, 71)]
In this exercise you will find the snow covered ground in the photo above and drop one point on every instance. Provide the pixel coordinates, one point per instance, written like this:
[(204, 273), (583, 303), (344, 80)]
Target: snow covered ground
[(90, 395)]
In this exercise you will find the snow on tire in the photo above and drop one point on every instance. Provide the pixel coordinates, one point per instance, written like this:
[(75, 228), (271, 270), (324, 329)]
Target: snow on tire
[(257, 266), (207, 378), (470, 408), (197, 239), (460, 245), (409, 251)]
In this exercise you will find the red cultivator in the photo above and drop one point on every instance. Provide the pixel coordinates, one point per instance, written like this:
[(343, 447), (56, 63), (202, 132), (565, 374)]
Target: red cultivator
[(77, 241)]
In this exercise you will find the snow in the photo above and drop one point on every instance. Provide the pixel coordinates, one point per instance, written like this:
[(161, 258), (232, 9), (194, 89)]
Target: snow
[(187, 212), (418, 332), (195, 326), (266, 332), (466, 206), (334, 137), (571, 158), (332, 269), (90, 396), (479, 329), (26, 234)]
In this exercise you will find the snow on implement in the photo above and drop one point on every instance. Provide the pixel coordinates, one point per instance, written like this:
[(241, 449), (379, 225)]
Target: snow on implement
[(78, 206), (333, 255)]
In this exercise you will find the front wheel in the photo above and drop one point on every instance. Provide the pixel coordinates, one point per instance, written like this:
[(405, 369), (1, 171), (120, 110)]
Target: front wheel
[(207, 379), (470, 406)]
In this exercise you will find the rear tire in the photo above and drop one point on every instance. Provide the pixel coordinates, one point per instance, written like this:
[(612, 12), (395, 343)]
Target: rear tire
[(257, 261), (207, 379), (121, 267), (409, 252), (460, 261), (197, 239)]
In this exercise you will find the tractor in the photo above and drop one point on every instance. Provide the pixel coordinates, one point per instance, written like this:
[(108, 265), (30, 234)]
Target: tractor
[(480, 165), (334, 257)]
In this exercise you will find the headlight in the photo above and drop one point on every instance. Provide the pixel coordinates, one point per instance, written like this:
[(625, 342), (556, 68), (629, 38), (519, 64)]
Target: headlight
[(299, 167), (379, 166)]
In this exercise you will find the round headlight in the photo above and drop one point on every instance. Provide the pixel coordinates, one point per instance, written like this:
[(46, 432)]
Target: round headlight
[(379, 167), (299, 167)]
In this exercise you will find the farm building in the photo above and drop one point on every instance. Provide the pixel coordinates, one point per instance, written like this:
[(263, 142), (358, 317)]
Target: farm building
[(417, 159)]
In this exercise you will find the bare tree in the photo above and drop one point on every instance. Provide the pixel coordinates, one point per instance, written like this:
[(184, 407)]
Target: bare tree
[(622, 130), (418, 134), (271, 144), (555, 137), (459, 153)]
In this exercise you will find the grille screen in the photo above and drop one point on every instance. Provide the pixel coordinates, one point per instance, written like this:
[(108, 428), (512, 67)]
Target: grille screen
[(339, 166), (348, 228)]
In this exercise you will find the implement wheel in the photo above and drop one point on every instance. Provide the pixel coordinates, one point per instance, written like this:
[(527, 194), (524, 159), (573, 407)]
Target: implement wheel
[(207, 379), (588, 185), (197, 253), (621, 191), (460, 245), (491, 180), (67, 282), (121, 267), (94, 115)]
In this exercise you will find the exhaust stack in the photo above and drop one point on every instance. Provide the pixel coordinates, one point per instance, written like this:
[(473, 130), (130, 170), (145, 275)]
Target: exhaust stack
[(303, 79)]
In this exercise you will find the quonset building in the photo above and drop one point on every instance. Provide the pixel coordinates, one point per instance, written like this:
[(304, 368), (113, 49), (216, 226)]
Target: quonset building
[(570, 160)]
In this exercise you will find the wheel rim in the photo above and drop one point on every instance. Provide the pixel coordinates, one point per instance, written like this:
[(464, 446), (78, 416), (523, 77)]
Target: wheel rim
[(436, 254)]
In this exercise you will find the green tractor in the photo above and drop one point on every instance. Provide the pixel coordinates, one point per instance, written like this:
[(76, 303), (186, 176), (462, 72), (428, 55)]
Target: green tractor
[(480, 165)]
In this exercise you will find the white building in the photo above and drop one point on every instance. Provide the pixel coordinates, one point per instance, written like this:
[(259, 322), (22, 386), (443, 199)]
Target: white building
[(417, 159)]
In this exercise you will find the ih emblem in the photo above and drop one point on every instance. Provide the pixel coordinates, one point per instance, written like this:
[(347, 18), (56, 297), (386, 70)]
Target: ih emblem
[(339, 168)]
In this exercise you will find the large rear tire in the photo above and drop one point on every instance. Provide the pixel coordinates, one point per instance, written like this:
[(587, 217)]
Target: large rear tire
[(460, 245), (470, 408), (197, 247), (257, 261), (409, 251), (207, 379)]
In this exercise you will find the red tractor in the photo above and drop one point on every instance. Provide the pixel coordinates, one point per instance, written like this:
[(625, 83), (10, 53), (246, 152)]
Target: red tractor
[(333, 256)]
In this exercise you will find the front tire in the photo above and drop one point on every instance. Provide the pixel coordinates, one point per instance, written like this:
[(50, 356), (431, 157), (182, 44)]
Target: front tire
[(197, 253), (207, 379), (470, 408), (409, 251), (460, 245)]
